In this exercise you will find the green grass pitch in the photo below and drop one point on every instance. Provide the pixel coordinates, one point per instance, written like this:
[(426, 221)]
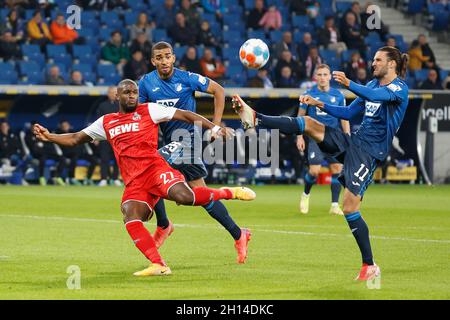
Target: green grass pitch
[(43, 230)]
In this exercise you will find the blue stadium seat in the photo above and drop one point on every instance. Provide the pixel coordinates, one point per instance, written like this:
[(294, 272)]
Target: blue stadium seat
[(138, 6), (440, 21), (210, 17), (8, 72), (443, 74), (330, 57), (89, 19), (249, 4), (275, 35), (435, 7), (111, 19), (59, 54), (301, 22), (160, 35), (179, 51), (346, 55), (27, 67), (233, 38), (131, 17), (421, 75), (319, 21), (415, 6), (230, 54), (343, 6), (32, 52), (83, 67), (108, 74), (83, 53), (257, 34)]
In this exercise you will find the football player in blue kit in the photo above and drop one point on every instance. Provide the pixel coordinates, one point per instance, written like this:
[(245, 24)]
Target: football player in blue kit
[(323, 92), (173, 87), (384, 101)]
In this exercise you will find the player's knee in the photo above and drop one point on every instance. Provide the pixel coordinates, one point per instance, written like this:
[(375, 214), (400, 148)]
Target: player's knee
[(135, 211), (314, 172)]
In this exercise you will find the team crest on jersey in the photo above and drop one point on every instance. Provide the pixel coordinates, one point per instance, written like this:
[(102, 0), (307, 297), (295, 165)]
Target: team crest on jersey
[(136, 116), (394, 87), (201, 79), (372, 108), (178, 87), (168, 102)]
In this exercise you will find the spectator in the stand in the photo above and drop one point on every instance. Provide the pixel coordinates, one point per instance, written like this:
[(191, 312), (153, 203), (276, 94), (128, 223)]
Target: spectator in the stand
[(15, 25), (287, 80), (355, 8), (190, 13), (330, 38), (189, 61), (183, 33), (62, 34), (206, 37), (211, 67), (367, 22), (38, 31), (416, 57), (286, 43), (136, 67), (391, 42), (142, 44), (352, 35), (446, 83), (271, 20), (361, 76), (256, 15), (105, 5), (299, 6), (304, 45), (261, 80), (312, 61), (45, 6), (76, 78), (9, 47), (116, 52), (42, 151), (313, 10), (12, 154), (432, 82), (70, 154), (165, 16), (295, 66), (427, 52), (353, 65), (214, 6), (54, 77), (142, 25), (110, 105)]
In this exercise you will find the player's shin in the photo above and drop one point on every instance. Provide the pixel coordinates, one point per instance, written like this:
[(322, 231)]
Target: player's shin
[(335, 189), (161, 215), (287, 125), (218, 211), (361, 233), (204, 195), (144, 241)]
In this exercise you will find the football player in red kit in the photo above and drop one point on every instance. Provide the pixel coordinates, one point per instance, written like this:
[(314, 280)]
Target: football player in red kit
[(133, 135)]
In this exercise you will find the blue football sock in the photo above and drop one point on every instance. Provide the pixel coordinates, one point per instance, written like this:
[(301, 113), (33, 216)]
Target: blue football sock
[(361, 233), (218, 211), (310, 180), (161, 215), (287, 125), (335, 188)]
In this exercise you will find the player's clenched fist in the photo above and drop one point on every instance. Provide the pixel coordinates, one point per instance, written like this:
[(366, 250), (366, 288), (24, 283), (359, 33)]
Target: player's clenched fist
[(40, 132), (341, 78), (226, 132), (306, 99)]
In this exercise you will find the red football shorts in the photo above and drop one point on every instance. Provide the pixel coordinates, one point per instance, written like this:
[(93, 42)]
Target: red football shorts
[(152, 184)]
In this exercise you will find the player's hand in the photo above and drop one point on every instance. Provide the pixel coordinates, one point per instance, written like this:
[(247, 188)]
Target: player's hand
[(300, 143), (40, 132), (341, 78), (306, 99), (226, 132)]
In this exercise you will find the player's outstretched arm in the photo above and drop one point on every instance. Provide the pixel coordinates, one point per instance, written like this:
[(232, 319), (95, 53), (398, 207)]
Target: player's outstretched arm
[(219, 100), (66, 139), (371, 94), (191, 117)]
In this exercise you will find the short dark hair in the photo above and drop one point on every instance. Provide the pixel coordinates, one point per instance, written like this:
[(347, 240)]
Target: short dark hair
[(161, 45), (114, 32), (323, 66)]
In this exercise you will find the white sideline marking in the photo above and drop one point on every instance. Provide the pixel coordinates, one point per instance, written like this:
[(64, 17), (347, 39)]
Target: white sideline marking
[(4, 257), (208, 226)]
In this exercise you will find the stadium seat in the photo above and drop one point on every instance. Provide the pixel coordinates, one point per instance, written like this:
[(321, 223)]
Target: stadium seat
[(421, 75), (27, 67), (138, 6), (257, 34), (179, 51), (160, 35), (32, 52), (301, 22), (439, 21), (414, 6), (436, 7), (275, 35), (249, 4), (83, 67), (131, 17), (105, 34), (342, 7), (9, 74), (330, 57), (83, 53), (346, 55), (233, 38), (111, 19), (443, 74), (59, 54)]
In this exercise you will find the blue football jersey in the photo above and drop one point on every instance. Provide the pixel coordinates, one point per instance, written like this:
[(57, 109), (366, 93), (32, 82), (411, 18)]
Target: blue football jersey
[(332, 96), (382, 119), (178, 91)]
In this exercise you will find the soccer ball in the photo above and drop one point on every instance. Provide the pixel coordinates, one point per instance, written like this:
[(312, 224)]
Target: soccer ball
[(254, 53)]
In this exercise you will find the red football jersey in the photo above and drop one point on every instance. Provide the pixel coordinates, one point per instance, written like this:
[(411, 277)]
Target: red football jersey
[(133, 136)]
